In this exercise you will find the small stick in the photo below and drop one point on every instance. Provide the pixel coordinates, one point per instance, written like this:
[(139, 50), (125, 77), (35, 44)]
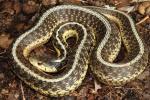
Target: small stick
[(22, 92), (143, 20), (3, 52), (136, 1)]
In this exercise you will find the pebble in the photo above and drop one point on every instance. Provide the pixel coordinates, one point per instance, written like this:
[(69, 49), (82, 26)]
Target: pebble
[(30, 7), (49, 2)]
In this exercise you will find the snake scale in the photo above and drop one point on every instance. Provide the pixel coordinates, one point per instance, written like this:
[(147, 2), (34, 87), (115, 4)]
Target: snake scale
[(99, 34)]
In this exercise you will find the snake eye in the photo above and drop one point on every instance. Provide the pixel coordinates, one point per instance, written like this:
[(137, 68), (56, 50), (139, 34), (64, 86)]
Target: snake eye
[(39, 63)]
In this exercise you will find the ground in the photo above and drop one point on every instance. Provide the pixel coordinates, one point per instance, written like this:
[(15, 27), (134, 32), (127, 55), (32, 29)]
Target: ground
[(17, 16)]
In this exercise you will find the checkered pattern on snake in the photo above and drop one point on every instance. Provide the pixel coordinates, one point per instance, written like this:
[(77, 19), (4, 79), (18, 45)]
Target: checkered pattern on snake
[(100, 33)]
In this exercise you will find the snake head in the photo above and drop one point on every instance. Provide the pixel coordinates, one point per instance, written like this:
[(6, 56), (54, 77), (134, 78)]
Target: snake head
[(46, 63)]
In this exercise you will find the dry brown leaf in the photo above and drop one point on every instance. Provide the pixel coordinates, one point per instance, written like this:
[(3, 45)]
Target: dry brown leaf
[(144, 8), (5, 41), (97, 87), (127, 9)]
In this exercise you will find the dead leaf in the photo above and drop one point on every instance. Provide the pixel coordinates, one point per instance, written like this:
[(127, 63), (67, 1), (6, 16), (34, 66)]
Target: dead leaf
[(144, 8), (127, 9), (97, 87)]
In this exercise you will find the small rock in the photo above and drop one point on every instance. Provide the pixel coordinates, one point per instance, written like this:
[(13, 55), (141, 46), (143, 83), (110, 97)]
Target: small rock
[(99, 3), (5, 21), (49, 2), (30, 7), (5, 41)]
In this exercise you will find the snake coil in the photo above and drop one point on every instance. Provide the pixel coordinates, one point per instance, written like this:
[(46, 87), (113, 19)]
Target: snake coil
[(99, 33)]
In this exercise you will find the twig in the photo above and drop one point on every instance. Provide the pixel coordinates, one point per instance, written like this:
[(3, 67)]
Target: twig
[(3, 52), (127, 88), (143, 20), (136, 1), (22, 91)]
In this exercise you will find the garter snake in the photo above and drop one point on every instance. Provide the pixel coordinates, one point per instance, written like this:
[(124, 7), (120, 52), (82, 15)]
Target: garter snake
[(99, 34)]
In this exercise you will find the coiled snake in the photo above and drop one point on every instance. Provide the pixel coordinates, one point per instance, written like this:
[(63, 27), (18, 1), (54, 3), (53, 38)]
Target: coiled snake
[(99, 35)]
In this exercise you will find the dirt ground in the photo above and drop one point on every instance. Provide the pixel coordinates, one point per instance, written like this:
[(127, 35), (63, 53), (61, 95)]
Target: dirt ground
[(17, 16)]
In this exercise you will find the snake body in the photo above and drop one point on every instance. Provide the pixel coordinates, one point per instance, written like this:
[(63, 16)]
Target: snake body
[(99, 34)]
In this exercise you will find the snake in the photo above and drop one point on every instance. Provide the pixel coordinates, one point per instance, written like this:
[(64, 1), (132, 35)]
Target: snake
[(98, 35)]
